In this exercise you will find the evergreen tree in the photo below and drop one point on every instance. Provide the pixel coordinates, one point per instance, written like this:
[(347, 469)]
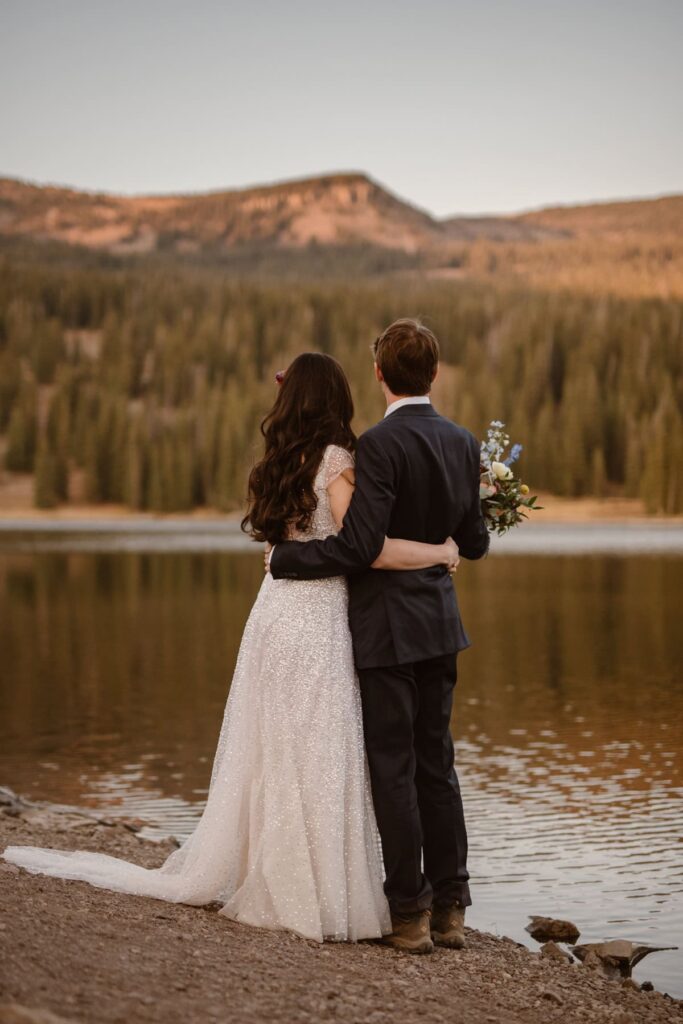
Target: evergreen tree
[(50, 481), (21, 434), (598, 474)]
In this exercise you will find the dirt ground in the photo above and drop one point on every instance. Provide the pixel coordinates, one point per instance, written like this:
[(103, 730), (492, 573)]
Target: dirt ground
[(84, 954)]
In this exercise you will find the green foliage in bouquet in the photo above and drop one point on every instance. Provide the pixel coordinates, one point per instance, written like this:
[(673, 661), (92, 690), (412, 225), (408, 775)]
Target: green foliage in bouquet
[(504, 497)]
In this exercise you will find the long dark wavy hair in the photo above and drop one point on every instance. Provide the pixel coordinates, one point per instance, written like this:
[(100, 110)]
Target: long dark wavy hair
[(313, 408)]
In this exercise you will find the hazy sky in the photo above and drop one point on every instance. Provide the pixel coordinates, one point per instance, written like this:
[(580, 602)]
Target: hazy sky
[(459, 106)]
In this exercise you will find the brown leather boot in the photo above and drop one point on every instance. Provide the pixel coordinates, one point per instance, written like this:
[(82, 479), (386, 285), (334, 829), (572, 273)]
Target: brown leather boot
[(448, 926), (410, 933)]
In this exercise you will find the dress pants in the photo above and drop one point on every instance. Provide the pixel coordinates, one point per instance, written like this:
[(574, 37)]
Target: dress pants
[(415, 789)]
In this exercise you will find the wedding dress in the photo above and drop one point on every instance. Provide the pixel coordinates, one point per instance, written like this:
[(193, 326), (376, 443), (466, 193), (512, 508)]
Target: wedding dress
[(288, 837)]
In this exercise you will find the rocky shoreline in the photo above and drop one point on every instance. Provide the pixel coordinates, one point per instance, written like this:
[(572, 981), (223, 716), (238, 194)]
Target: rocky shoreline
[(70, 952)]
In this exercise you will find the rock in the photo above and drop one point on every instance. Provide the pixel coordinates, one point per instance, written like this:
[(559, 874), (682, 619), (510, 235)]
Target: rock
[(553, 951), (131, 824), (630, 983), (592, 960), (545, 928), (60, 817), (13, 1013), (552, 996), (618, 956), (647, 986), (58, 820), (12, 804), (8, 797)]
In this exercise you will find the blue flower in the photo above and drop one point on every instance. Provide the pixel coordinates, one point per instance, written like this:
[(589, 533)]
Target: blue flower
[(514, 454)]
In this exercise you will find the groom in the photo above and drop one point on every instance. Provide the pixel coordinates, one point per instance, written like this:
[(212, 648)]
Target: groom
[(417, 477)]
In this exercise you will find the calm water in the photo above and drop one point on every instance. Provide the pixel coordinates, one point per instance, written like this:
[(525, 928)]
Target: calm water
[(116, 652)]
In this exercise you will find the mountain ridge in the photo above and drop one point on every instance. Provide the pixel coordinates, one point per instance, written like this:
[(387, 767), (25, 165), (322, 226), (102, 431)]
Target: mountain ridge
[(345, 208), (332, 209)]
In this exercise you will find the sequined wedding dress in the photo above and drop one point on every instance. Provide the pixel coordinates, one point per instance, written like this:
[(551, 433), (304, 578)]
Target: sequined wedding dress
[(288, 837)]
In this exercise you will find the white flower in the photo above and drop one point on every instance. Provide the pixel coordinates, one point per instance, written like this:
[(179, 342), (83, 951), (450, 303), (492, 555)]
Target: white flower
[(502, 471)]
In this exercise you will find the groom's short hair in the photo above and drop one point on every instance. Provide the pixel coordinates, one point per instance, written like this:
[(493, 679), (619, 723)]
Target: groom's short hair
[(407, 353)]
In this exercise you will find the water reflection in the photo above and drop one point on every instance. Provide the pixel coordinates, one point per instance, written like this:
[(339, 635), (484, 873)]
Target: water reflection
[(115, 667)]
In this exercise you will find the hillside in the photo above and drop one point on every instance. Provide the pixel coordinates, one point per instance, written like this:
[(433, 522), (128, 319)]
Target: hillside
[(660, 217), (340, 209), (349, 226)]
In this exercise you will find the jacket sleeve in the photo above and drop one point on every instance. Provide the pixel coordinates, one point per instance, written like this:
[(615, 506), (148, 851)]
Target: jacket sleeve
[(471, 534), (361, 538)]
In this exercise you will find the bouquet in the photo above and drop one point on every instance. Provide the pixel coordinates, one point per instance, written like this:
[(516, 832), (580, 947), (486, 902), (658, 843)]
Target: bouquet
[(503, 495)]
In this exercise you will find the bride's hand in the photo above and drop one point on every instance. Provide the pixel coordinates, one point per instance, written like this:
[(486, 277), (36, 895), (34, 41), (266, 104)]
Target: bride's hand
[(451, 555), (266, 558)]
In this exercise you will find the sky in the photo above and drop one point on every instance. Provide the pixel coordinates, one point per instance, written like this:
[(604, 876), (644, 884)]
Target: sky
[(460, 106)]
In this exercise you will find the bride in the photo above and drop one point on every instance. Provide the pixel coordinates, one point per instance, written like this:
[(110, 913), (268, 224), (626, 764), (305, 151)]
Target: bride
[(288, 837)]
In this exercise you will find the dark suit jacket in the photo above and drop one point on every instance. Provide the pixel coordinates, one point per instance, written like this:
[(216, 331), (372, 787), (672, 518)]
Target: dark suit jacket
[(417, 477)]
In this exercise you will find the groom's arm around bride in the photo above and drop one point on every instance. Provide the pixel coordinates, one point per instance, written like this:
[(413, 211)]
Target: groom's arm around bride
[(379, 476)]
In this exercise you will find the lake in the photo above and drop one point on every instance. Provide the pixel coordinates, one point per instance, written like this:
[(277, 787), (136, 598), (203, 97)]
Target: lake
[(118, 640)]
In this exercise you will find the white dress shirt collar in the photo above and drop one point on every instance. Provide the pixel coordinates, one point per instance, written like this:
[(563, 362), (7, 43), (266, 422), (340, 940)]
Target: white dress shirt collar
[(410, 400)]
